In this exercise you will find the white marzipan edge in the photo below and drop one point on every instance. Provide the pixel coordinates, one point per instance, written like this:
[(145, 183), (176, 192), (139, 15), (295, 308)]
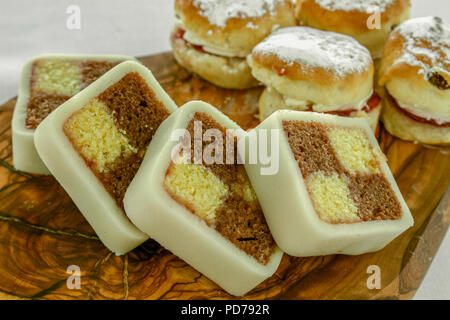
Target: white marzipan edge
[(294, 224), (25, 156), (57, 152), (152, 209)]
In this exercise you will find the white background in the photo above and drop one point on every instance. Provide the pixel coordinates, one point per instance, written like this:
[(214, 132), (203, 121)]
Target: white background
[(136, 27)]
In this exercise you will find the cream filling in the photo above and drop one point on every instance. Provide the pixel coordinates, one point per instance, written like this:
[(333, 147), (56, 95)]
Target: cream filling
[(194, 39), (209, 47), (439, 118), (303, 105)]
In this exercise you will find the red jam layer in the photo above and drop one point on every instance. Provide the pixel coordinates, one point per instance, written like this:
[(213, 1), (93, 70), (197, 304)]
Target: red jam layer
[(371, 104), (281, 72), (416, 118), (179, 35)]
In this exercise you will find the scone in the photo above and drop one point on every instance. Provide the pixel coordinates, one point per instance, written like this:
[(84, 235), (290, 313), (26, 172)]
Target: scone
[(415, 73), (213, 37), (306, 69), (368, 21)]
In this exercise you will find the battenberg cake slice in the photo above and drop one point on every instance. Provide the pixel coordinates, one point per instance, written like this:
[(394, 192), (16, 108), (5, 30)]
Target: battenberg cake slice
[(202, 208), (333, 192), (47, 81), (95, 142)]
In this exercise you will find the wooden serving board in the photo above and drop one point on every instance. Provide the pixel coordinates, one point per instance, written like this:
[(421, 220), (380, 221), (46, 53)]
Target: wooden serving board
[(42, 232)]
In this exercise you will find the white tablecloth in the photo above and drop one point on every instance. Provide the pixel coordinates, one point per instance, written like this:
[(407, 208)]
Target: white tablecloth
[(136, 27)]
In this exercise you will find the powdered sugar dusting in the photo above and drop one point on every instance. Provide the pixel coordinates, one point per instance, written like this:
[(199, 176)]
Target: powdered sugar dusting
[(427, 45), (368, 6), (335, 52), (219, 12)]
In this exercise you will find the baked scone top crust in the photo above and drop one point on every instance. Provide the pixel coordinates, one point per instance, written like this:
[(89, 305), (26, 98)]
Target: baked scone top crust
[(368, 6), (303, 53), (416, 64), (238, 24), (420, 45), (350, 15)]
